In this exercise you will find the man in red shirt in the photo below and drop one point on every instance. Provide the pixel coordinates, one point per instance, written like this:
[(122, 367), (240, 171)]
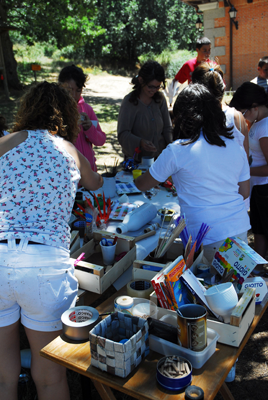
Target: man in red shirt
[(203, 48)]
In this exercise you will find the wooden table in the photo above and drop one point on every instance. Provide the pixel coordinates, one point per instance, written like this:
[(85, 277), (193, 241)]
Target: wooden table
[(141, 383)]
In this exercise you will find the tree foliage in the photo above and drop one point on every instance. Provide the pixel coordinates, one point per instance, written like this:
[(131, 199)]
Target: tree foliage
[(114, 29), (62, 21), (135, 27)]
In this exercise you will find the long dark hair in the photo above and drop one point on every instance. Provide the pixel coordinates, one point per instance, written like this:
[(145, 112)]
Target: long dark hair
[(150, 71), (195, 109), (49, 106), (248, 94), (210, 75)]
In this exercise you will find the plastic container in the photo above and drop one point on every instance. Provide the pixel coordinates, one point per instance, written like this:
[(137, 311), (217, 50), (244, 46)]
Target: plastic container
[(222, 299), (169, 319), (137, 218), (231, 376), (26, 358), (174, 384), (197, 358), (136, 173), (142, 308)]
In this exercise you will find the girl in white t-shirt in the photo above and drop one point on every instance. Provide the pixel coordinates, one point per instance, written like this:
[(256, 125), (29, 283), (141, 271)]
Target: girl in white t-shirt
[(208, 167), (252, 101)]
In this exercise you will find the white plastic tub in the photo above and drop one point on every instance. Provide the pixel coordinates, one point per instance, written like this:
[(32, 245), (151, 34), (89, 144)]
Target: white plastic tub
[(197, 358)]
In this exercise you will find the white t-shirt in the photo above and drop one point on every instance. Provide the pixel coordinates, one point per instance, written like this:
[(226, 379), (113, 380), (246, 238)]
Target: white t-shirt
[(206, 178), (239, 137), (257, 131)]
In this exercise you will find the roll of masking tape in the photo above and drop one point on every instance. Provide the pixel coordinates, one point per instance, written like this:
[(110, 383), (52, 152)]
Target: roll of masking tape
[(78, 321), (141, 289), (123, 304)]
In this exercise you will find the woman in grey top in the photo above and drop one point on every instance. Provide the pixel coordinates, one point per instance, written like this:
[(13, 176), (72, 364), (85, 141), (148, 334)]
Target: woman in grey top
[(144, 120)]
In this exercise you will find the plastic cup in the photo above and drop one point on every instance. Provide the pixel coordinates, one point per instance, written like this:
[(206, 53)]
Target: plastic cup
[(108, 253), (136, 173)]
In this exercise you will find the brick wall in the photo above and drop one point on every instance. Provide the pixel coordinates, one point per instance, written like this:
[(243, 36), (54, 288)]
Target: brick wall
[(250, 41)]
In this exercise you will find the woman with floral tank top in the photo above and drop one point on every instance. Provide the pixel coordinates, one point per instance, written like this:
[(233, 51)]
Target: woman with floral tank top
[(40, 171)]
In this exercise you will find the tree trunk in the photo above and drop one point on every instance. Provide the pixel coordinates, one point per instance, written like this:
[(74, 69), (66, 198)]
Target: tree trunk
[(10, 62), (7, 46)]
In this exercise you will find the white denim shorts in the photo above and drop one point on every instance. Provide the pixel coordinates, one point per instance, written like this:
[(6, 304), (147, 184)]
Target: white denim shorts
[(37, 284)]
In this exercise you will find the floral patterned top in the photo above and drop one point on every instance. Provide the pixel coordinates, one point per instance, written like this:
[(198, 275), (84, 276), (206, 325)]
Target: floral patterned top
[(38, 183)]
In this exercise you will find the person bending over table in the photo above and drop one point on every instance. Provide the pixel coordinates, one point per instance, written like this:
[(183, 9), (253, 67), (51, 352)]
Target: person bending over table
[(252, 101), (209, 169), (144, 120), (40, 172), (74, 79)]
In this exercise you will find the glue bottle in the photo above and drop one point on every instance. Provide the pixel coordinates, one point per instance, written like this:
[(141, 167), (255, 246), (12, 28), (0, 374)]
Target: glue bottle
[(137, 218)]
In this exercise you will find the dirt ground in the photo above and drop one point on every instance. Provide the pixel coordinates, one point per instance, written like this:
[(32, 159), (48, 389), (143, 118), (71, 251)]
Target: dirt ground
[(251, 379), (107, 89)]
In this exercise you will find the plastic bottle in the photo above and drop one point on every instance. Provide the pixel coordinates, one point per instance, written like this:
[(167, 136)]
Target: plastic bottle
[(137, 218)]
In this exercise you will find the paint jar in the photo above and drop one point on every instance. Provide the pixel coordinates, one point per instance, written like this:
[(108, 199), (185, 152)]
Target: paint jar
[(123, 304), (192, 326), (136, 173)]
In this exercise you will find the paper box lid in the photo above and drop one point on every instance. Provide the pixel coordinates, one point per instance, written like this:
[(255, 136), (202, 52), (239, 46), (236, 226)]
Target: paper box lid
[(259, 285), (237, 255)]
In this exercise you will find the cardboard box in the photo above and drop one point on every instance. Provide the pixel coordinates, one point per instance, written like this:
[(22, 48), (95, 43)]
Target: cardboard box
[(91, 273), (175, 250), (143, 274), (237, 255), (259, 285)]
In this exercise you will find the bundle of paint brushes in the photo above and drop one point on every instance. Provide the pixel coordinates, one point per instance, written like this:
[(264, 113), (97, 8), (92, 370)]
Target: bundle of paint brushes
[(100, 216), (112, 170), (175, 227), (185, 237)]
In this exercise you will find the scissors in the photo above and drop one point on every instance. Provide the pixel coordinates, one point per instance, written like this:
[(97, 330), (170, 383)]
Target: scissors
[(106, 242)]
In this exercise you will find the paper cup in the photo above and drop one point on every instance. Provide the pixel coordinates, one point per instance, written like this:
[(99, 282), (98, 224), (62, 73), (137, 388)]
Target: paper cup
[(109, 187), (136, 173), (108, 254)]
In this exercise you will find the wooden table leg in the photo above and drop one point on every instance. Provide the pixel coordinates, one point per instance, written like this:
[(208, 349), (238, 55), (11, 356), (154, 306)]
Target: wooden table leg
[(105, 391), (225, 392)]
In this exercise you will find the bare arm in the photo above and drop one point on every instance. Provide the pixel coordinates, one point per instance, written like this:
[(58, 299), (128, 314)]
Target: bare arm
[(145, 182), (244, 189), (238, 117), (89, 179), (263, 169)]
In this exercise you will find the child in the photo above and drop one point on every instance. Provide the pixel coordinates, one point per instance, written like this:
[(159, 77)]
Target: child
[(90, 133), (203, 48), (262, 78)]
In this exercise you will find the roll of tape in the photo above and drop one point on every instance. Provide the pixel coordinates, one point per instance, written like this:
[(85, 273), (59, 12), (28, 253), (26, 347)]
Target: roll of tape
[(141, 289), (194, 393), (78, 321), (123, 304)]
